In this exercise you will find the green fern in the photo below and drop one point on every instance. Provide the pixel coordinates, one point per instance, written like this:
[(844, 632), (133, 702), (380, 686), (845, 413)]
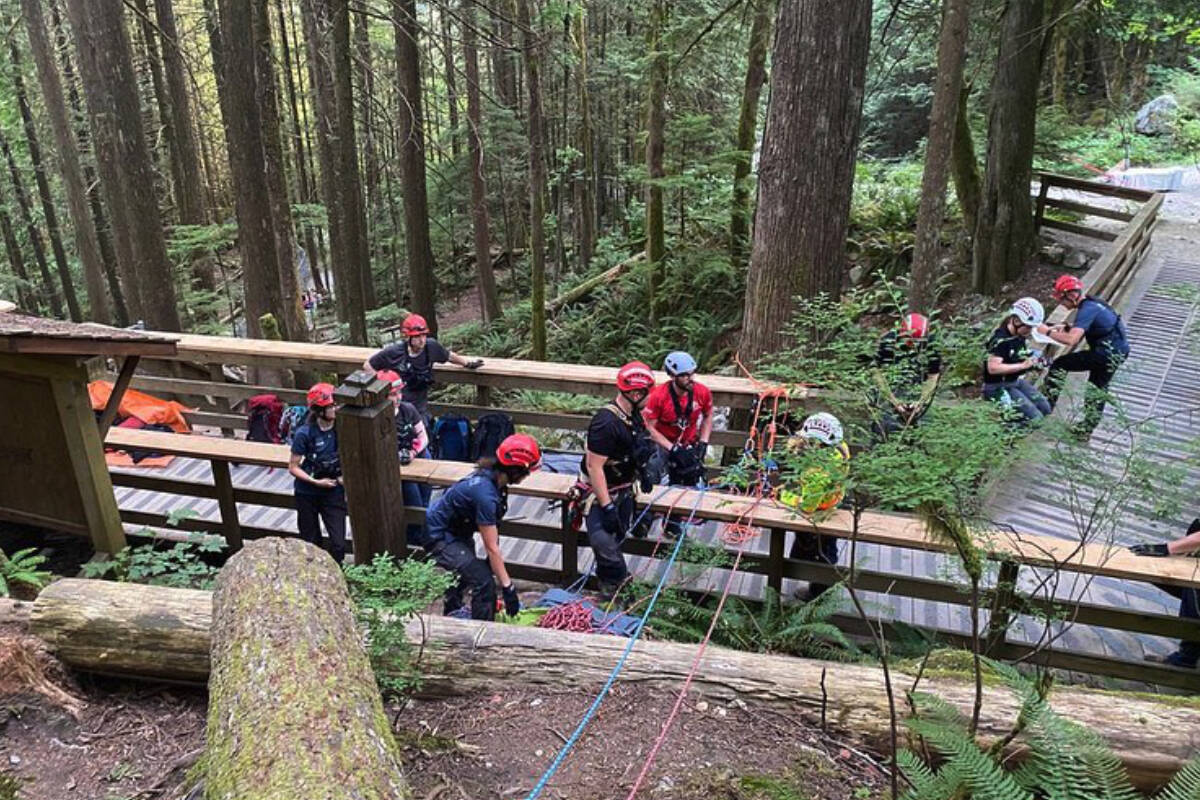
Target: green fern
[(21, 569), (1185, 785)]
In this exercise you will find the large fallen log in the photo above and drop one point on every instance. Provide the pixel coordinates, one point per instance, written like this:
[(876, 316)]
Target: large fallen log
[(1153, 738), (293, 709), (591, 284)]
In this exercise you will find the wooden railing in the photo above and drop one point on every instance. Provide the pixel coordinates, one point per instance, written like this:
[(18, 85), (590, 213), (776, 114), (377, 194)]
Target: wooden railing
[(1010, 552)]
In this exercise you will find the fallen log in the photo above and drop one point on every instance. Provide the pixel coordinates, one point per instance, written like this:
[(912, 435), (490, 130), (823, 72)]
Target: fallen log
[(293, 708), (591, 284), (1152, 737)]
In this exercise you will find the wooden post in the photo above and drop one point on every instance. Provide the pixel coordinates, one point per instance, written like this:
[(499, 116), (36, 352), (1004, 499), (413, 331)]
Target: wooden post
[(366, 431), (229, 513), (118, 391), (1040, 210), (86, 451), (775, 560), (570, 547), (216, 373), (1002, 605), (483, 396)]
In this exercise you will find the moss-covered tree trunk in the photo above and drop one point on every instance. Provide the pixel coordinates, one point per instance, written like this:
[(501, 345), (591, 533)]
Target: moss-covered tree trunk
[(293, 708)]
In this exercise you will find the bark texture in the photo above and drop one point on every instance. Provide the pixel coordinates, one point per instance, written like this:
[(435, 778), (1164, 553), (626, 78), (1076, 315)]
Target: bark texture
[(278, 725), (87, 245), (411, 122), (1004, 232), (952, 51), (968, 185), (489, 301), (756, 76), (126, 170), (140, 631), (806, 171), (537, 180), (656, 123)]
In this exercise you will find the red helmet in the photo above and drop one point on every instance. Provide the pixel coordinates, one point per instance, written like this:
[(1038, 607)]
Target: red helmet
[(320, 395), (414, 325), (519, 450), (633, 376), (914, 326), (1065, 284), (392, 377)]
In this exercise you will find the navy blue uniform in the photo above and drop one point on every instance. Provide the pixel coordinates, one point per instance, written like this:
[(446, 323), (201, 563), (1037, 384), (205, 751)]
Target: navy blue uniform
[(319, 451), (1108, 347), (417, 371), (450, 525)]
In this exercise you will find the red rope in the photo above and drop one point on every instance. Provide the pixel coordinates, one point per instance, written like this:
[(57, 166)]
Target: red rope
[(573, 616)]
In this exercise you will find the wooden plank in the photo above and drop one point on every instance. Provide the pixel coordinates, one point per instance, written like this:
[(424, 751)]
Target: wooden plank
[(118, 391), (1083, 208), (226, 422), (1039, 210), (1082, 230), (775, 560), (54, 367), (1104, 189), (87, 347), (40, 521), (231, 391), (223, 484), (85, 454)]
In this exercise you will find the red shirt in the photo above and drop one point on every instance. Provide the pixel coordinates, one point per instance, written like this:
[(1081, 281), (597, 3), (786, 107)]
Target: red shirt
[(660, 408)]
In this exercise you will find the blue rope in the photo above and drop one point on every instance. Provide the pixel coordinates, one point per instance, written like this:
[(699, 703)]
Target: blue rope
[(616, 670)]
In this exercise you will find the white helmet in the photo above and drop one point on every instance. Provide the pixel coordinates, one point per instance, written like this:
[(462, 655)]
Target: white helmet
[(1028, 311), (824, 427)]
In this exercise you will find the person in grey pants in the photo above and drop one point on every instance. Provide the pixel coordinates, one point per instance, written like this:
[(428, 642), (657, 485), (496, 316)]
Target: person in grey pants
[(1009, 359)]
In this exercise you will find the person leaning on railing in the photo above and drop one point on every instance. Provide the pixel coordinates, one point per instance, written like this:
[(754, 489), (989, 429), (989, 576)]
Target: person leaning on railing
[(1188, 653), (414, 358), (317, 468)]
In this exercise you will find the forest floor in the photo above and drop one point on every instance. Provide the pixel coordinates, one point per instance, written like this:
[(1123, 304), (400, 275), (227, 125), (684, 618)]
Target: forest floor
[(136, 741)]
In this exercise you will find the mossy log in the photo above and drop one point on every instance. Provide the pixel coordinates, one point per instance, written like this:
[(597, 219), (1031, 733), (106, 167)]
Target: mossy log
[(1153, 737), (293, 709)]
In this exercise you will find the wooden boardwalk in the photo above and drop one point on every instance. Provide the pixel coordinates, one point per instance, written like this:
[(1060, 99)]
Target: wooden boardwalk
[(1162, 378)]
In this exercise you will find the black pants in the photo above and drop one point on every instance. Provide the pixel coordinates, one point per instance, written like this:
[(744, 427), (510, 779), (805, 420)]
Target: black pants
[(606, 547), (1189, 608), (816, 548), (474, 575), (330, 507), (1100, 367)]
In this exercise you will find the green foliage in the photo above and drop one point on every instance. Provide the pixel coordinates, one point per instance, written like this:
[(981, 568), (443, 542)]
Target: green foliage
[(162, 563), (1185, 784), (21, 570), (10, 785), (386, 596)]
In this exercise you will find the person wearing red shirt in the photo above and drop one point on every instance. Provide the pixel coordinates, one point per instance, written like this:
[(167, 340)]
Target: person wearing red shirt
[(679, 418)]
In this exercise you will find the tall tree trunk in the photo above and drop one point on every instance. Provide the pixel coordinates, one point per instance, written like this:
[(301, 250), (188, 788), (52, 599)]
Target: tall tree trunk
[(952, 49), (756, 75), (489, 302), (86, 244), (537, 181), (799, 248), (411, 122), (303, 190), (49, 289), (656, 121), (26, 297), (49, 214), (291, 310), (240, 106), (370, 157), (451, 84), (968, 184), (106, 66), (90, 180), (185, 153), (1004, 233), (349, 184), (162, 100), (585, 181)]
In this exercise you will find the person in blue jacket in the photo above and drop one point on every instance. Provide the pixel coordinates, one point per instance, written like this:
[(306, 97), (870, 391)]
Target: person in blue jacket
[(477, 503), (317, 468)]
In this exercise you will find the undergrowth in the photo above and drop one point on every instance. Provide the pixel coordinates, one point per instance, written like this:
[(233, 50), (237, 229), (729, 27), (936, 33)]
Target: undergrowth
[(20, 572), (162, 562)]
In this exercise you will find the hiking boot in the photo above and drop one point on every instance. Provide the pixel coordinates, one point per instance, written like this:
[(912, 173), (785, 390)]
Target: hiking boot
[(1176, 659)]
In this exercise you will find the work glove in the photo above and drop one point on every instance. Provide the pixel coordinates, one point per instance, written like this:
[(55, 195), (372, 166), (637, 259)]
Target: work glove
[(1195, 526), (512, 603), (701, 449), (611, 519), (406, 457), (474, 363), (1145, 549)]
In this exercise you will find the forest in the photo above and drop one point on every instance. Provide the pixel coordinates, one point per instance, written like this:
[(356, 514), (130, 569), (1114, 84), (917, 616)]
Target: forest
[(197, 166)]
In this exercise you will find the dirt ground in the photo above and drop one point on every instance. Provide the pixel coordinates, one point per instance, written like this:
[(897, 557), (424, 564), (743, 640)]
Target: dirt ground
[(136, 742)]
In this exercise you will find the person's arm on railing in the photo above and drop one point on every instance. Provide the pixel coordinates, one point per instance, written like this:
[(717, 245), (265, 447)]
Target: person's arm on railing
[(464, 361)]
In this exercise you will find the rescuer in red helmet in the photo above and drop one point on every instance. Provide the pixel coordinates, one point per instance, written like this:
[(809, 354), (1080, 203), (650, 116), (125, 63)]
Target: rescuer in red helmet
[(317, 468), (906, 372), (477, 503), (413, 360)]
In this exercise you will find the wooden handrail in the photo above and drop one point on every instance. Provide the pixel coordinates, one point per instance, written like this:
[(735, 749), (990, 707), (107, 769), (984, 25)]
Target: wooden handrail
[(895, 530)]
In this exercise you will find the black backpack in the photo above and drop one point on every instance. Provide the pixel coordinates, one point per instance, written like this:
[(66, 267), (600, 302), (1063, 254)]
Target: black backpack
[(490, 431)]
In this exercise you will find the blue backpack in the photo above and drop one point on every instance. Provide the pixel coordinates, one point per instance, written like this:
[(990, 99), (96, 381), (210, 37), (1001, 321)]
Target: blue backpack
[(452, 438), (293, 417)]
